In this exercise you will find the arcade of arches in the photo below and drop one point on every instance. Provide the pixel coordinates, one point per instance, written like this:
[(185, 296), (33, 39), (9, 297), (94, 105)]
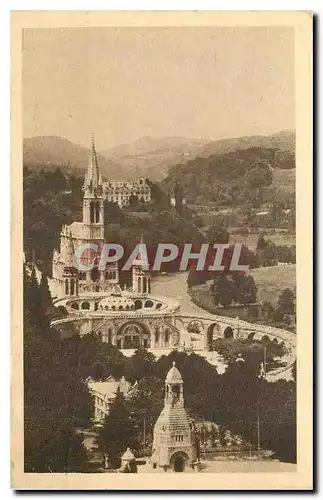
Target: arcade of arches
[(135, 335)]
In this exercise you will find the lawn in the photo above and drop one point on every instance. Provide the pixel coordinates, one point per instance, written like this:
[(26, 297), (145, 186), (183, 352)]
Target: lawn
[(271, 281), (279, 238)]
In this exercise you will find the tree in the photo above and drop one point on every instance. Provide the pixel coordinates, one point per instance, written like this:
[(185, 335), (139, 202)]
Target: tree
[(222, 291), (118, 431), (46, 297), (286, 302), (248, 291), (218, 232), (145, 403), (261, 243), (140, 365), (33, 302), (56, 400), (267, 310)]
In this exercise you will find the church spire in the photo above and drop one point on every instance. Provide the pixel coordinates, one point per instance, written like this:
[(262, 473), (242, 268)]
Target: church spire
[(93, 180)]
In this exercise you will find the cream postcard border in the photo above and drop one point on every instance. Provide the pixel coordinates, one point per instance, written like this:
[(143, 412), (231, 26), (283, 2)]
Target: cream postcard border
[(302, 479)]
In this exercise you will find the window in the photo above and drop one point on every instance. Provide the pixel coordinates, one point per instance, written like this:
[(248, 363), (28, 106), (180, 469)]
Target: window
[(91, 211)]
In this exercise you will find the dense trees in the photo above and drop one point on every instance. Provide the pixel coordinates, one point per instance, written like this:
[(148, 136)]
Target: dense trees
[(285, 310), (56, 400), (118, 431), (229, 179), (218, 232), (235, 288), (269, 254)]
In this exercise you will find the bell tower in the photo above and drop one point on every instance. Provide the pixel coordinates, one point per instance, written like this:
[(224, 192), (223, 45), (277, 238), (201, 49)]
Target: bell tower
[(141, 278), (93, 200), (174, 445)]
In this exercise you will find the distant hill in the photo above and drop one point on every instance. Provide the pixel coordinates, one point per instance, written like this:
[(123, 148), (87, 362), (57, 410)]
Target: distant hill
[(283, 141), (234, 178), (51, 151), (146, 157), (153, 157)]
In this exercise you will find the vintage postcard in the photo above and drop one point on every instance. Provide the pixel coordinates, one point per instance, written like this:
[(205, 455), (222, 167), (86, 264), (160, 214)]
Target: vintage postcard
[(162, 250)]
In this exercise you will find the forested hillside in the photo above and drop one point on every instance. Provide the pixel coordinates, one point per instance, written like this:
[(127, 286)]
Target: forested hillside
[(233, 178)]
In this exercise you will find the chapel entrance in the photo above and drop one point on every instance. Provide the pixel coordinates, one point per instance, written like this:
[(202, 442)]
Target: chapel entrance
[(179, 464), (133, 336)]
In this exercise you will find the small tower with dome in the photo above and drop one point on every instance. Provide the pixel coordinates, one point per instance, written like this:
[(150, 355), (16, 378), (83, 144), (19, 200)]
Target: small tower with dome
[(174, 445)]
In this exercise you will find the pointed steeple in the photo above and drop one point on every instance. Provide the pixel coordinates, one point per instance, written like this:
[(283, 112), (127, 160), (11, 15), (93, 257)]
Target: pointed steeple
[(93, 180)]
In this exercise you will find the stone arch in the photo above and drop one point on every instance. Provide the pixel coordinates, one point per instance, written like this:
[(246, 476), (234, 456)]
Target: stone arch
[(85, 305), (149, 303), (228, 333), (212, 331), (251, 335), (133, 335), (179, 461), (196, 326), (74, 305), (159, 305), (265, 339), (138, 304)]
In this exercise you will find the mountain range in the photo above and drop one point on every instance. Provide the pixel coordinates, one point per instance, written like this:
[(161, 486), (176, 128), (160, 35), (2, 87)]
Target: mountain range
[(146, 157)]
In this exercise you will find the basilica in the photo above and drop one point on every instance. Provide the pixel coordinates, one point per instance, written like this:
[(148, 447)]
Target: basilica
[(70, 282)]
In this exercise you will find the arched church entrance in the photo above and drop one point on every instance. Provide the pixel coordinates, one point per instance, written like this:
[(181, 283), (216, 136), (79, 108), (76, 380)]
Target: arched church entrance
[(133, 335), (228, 333), (178, 462)]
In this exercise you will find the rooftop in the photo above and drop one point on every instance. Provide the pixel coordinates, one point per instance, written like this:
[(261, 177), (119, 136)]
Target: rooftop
[(174, 376)]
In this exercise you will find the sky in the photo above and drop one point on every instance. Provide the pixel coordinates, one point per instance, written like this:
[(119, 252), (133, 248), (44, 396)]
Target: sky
[(126, 83)]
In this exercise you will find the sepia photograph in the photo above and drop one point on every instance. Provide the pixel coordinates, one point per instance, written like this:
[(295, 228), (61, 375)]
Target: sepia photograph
[(158, 245)]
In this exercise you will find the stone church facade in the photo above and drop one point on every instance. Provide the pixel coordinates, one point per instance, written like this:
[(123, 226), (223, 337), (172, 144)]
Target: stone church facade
[(70, 282)]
